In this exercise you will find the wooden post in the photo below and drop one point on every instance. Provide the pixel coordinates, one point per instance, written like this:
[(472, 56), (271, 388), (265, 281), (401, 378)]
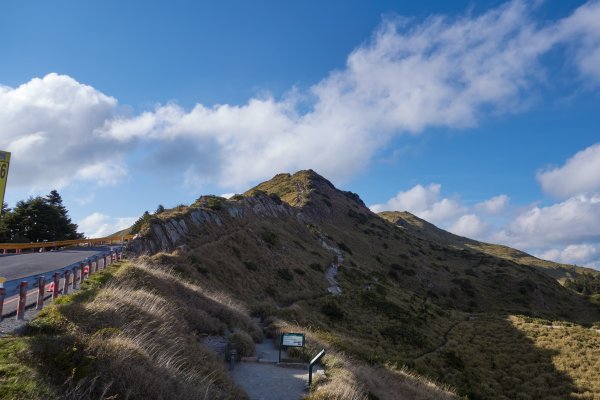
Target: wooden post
[(22, 300), (41, 292), (81, 272)]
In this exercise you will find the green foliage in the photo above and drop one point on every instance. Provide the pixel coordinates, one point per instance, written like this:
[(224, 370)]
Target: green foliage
[(345, 248), (285, 274), (316, 267), (251, 266), (269, 237), (141, 221), (242, 343), (333, 310), (37, 219), (160, 209), (585, 284), (214, 203)]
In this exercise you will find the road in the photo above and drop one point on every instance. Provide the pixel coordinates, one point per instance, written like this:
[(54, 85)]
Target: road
[(15, 266)]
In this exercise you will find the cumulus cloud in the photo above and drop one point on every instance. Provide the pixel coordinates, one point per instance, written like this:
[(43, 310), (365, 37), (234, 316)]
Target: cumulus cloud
[(97, 225), (580, 174), (411, 75), (582, 31), (494, 205), (579, 254), (469, 225), (574, 220), (425, 203), (48, 124), (408, 77)]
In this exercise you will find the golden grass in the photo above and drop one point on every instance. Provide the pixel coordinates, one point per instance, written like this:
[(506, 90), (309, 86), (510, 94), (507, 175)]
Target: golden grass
[(138, 337)]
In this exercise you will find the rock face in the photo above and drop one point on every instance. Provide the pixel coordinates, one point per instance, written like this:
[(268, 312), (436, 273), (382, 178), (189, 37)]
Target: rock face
[(167, 235)]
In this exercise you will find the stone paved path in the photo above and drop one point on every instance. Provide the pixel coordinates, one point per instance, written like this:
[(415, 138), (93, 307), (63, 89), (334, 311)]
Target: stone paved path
[(266, 381), (270, 382)]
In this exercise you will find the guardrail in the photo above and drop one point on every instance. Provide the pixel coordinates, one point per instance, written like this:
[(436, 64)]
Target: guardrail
[(18, 247), (70, 276)]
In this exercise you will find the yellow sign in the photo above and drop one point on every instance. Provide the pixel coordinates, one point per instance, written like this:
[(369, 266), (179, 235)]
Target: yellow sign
[(4, 162)]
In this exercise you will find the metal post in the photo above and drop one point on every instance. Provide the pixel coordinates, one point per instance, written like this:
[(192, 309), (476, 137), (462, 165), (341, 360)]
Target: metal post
[(67, 276), (81, 273), (312, 364), (232, 356), (22, 300), (41, 292), (96, 260), (104, 263), (90, 266), (56, 281), (2, 294)]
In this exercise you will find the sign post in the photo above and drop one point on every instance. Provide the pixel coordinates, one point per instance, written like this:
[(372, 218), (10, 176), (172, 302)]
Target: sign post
[(289, 339), (312, 364), (4, 162)]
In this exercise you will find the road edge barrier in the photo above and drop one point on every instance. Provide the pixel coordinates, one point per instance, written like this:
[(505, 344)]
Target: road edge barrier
[(19, 285)]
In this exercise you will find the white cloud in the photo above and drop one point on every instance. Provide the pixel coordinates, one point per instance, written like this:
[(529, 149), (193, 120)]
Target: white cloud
[(48, 125), (469, 225), (441, 72), (580, 174), (582, 29), (579, 254), (410, 76), (424, 202), (98, 225), (574, 220), (493, 205)]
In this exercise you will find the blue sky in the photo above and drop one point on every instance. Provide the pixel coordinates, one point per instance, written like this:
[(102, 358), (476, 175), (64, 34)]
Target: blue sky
[(480, 117)]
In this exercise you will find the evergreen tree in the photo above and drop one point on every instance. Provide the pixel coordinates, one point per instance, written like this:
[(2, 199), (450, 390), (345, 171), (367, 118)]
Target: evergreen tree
[(38, 219), (66, 229), (4, 233), (159, 209)]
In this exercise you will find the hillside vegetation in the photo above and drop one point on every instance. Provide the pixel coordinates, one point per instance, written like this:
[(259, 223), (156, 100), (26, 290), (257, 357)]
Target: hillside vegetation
[(414, 309)]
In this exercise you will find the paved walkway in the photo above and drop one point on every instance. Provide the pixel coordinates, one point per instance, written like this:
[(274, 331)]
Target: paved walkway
[(265, 380), (270, 382)]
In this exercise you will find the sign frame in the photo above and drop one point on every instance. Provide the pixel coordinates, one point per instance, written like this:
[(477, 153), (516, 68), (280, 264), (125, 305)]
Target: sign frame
[(4, 166), (302, 342)]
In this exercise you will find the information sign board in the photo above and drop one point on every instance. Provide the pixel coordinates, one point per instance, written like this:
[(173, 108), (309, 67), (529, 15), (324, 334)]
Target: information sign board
[(4, 162), (292, 339)]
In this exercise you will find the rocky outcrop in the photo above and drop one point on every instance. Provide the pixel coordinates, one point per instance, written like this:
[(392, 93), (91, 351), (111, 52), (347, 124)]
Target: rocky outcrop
[(168, 234)]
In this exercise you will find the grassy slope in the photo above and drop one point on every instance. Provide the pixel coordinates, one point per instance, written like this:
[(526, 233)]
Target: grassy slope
[(459, 316), (406, 299), (426, 230), (131, 333)]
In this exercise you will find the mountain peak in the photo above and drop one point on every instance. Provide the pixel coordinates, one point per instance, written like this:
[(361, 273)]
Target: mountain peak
[(303, 186)]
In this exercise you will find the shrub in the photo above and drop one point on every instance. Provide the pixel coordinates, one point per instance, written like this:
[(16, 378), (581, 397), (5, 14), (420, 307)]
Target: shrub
[(214, 203), (345, 248), (332, 310), (285, 274), (251, 266), (243, 343), (316, 267), (299, 271), (270, 238)]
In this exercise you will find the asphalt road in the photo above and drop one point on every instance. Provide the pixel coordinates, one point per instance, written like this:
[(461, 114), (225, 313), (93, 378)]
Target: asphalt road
[(15, 266)]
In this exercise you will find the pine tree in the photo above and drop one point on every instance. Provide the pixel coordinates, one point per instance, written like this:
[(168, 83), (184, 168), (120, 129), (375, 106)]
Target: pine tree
[(4, 232)]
